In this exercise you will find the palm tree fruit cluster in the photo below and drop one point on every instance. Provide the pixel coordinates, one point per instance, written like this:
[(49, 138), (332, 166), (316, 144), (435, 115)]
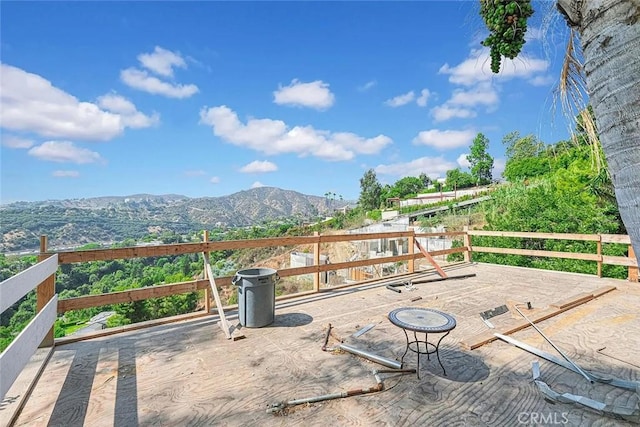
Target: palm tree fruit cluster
[(507, 24)]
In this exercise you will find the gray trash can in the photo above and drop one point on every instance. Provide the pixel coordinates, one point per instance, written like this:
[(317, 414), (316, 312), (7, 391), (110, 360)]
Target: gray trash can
[(256, 296)]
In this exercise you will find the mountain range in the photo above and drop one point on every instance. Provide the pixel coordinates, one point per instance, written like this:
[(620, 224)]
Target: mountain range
[(74, 222)]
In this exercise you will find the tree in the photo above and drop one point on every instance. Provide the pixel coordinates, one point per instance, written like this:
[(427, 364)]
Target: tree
[(370, 191), (480, 161), (458, 179), (609, 32), (426, 181), (525, 157), (407, 186)]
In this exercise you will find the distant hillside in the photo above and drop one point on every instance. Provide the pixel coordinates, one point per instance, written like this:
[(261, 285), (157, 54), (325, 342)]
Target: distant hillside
[(112, 219)]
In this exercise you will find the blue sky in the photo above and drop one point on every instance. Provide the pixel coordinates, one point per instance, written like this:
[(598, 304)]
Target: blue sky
[(210, 98)]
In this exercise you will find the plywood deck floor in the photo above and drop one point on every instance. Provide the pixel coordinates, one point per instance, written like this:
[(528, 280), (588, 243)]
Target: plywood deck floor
[(187, 373)]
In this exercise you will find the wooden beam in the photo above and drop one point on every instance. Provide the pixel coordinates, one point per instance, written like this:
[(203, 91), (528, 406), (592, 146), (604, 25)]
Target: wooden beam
[(532, 235), (223, 320), (187, 248), (481, 339), (207, 291), (467, 244), (619, 260), (533, 252), (599, 252), (316, 261), (15, 287), (412, 265), (45, 291), (15, 357), (633, 271), (430, 259), (130, 295), (615, 238)]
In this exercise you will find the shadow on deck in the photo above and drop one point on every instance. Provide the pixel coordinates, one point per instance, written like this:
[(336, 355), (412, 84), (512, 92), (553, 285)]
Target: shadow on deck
[(187, 373)]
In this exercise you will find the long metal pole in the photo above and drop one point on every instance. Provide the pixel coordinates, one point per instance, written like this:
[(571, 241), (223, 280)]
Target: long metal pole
[(578, 368)]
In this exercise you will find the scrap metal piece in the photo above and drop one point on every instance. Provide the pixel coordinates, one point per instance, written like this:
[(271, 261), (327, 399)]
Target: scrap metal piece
[(621, 412), (489, 324), (282, 406), (627, 385), (373, 357), (364, 330), (578, 368), (326, 338), (393, 288), (486, 315)]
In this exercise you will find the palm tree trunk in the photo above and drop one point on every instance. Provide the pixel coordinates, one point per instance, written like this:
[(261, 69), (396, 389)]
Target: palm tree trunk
[(610, 37)]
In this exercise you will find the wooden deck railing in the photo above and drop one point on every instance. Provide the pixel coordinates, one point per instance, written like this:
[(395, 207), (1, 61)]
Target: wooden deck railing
[(187, 248), (40, 330)]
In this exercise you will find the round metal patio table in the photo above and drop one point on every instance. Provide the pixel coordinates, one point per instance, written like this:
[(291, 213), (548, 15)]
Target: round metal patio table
[(422, 320)]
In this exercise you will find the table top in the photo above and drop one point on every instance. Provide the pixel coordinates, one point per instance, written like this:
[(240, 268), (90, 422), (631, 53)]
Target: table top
[(422, 319)]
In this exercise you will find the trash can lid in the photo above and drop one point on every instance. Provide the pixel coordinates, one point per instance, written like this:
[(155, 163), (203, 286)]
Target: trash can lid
[(256, 272)]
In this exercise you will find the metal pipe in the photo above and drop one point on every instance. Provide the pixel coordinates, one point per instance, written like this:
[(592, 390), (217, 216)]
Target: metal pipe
[(628, 385), (278, 407), (389, 363), (326, 339), (578, 368)]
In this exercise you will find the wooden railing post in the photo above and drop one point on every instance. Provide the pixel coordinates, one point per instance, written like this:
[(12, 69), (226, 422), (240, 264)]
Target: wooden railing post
[(411, 266), (633, 271), (45, 291), (467, 244), (207, 291), (599, 248), (316, 262)]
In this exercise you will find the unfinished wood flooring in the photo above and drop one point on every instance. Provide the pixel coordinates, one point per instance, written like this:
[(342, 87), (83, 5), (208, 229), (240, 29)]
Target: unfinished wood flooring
[(188, 373)]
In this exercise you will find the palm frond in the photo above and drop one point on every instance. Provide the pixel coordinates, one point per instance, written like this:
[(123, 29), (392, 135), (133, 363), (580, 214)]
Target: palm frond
[(573, 95)]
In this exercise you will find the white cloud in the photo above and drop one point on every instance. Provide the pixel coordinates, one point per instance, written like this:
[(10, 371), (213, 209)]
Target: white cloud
[(482, 94), (462, 161), (401, 100), (446, 112), (141, 80), (65, 174), (275, 137), (432, 166), (461, 100), (64, 152), (258, 166), (31, 103), (423, 98), (215, 180), (161, 61), (477, 68), (542, 80), (445, 139), (314, 94), (257, 184), (12, 141), (368, 85), (131, 117)]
